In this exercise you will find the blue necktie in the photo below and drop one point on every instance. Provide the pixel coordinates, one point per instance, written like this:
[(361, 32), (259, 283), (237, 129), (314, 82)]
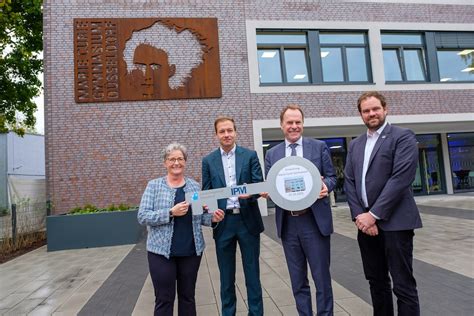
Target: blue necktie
[(293, 149)]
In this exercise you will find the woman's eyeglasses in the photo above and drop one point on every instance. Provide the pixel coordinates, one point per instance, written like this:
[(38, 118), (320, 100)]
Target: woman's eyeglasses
[(174, 160)]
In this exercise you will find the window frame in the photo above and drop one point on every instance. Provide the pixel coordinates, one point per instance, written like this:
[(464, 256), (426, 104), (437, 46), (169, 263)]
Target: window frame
[(451, 49), (313, 56), (459, 45), (400, 48), (343, 47), (431, 63), (281, 48)]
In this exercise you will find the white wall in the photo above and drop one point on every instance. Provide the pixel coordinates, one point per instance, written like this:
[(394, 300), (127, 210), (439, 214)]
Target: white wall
[(3, 170), (25, 155)]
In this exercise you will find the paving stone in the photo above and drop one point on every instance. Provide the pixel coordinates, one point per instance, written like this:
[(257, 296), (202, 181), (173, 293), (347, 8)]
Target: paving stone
[(63, 283)]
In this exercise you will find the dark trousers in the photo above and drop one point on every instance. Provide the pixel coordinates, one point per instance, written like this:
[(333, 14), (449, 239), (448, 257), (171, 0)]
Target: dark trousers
[(390, 251), (226, 246), (303, 244), (170, 274)]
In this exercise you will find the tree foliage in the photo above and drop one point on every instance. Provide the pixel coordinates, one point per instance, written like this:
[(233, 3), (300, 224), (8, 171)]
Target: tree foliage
[(21, 41)]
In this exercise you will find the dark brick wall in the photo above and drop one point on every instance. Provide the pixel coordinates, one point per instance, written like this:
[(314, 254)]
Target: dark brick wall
[(105, 153)]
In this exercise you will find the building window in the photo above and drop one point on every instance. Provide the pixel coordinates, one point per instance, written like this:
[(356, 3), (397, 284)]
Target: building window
[(428, 56), (456, 64), (296, 69), (344, 57), (282, 58), (404, 57), (313, 57), (461, 156), (327, 57), (454, 55), (269, 64)]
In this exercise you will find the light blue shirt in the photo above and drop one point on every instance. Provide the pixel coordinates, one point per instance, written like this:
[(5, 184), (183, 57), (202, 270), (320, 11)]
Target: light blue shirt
[(228, 163), (299, 148)]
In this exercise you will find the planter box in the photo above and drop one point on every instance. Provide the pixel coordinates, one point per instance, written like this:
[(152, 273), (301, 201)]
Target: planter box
[(92, 230)]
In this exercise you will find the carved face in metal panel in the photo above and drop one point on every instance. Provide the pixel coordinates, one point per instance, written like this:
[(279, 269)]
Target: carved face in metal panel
[(121, 59), (157, 68)]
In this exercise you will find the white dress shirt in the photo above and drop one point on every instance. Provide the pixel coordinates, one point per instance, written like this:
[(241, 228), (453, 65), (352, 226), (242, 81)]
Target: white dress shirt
[(228, 162), (369, 147), (299, 148)]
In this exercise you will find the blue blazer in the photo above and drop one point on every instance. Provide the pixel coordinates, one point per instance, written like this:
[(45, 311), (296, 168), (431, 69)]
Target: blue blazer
[(318, 153), (390, 173), (248, 170)]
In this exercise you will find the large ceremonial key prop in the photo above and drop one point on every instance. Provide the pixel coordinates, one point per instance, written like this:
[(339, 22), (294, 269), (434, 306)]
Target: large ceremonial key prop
[(293, 183)]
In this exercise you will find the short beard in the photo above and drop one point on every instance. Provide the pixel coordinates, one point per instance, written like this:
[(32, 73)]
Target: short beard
[(382, 122)]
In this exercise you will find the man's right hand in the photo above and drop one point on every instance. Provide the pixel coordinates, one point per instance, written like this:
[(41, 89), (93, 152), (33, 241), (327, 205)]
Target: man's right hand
[(218, 216), (371, 231)]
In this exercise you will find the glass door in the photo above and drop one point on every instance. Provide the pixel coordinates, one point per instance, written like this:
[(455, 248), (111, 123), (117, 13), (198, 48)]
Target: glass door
[(429, 177), (461, 155)]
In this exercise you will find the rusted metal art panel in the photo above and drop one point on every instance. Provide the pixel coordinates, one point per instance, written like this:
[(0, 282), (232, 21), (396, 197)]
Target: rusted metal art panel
[(124, 59)]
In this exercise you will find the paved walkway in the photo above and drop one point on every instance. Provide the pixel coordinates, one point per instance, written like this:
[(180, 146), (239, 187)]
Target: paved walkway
[(115, 280)]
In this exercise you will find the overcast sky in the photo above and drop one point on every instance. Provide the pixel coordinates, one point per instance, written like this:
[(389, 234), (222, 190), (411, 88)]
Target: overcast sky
[(40, 114)]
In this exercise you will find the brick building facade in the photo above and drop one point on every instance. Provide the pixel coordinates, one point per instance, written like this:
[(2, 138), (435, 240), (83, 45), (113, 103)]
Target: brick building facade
[(104, 153)]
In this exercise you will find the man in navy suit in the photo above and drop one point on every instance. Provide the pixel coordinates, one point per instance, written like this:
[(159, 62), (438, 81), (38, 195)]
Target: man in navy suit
[(380, 169), (305, 234), (232, 165)]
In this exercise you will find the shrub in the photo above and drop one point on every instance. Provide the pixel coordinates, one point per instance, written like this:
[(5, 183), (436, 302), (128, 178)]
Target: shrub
[(124, 207), (89, 208), (3, 211), (30, 231)]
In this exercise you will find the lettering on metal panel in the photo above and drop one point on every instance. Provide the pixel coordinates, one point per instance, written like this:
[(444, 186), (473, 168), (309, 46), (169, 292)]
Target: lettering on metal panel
[(124, 59)]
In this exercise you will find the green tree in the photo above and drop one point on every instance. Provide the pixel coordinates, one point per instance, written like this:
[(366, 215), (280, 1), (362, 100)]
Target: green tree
[(21, 41)]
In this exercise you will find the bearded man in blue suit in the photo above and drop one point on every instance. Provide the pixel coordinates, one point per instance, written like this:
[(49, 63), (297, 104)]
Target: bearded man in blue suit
[(380, 168), (305, 234), (232, 165)]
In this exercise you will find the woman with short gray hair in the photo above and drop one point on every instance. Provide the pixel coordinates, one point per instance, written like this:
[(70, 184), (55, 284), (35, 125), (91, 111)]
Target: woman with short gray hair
[(175, 146), (175, 242)]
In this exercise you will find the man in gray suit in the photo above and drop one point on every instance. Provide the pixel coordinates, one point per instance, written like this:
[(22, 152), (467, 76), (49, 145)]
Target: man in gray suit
[(306, 234), (380, 169)]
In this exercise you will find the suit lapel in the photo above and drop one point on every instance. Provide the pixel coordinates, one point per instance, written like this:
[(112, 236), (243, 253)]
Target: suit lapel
[(307, 151), (280, 153), (360, 156), (380, 140), (217, 157), (238, 163)]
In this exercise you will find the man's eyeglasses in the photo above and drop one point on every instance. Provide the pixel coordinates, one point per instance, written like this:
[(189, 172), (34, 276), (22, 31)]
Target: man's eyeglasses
[(173, 160)]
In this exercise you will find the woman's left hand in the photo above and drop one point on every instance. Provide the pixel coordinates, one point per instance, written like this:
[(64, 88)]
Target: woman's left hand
[(218, 216)]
